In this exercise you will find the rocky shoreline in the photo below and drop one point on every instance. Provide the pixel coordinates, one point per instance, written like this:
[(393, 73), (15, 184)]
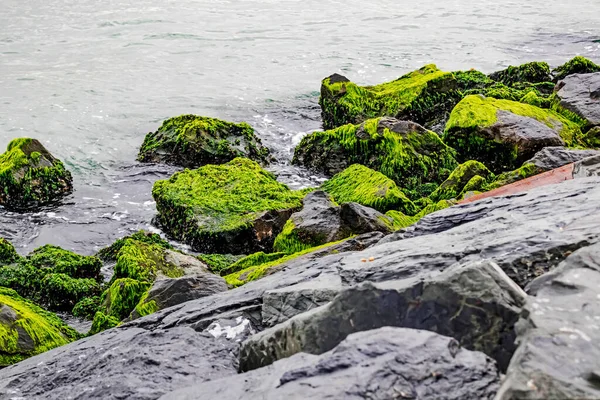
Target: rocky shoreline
[(384, 272)]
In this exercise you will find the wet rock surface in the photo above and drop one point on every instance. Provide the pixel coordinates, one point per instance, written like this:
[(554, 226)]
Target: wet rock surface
[(550, 158), (580, 94)]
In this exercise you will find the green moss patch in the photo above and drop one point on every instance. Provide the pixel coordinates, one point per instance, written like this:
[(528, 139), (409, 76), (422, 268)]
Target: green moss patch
[(532, 72), (30, 176), (506, 178), (577, 65), (111, 252), (251, 261), (86, 308), (65, 262), (193, 141), (103, 322), (8, 254), (61, 292), (452, 187), (401, 220), (214, 207), (122, 297), (219, 262), (143, 262)]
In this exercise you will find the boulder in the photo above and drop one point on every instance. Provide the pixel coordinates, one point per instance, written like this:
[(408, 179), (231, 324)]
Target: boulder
[(532, 72), (30, 176), (502, 134), (476, 304), (369, 188), (423, 96), (587, 167), (392, 363), (452, 187), (410, 155), (558, 338), (27, 329), (192, 141), (236, 208), (592, 137), (577, 65), (550, 158), (580, 94), (321, 221), (8, 254), (168, 292)]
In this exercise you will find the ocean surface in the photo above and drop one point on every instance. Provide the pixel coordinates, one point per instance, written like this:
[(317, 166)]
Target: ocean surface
[(90, 79)]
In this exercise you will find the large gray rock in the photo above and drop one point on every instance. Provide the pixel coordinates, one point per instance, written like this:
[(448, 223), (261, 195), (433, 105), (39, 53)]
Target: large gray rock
[(121, 364), (388, 363), (550, 158), (587, 167), (559, 335), (476, 304), (580, 94)]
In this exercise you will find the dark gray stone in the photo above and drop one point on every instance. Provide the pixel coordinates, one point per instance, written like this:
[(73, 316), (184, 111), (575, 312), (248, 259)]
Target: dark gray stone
[(580, 94), (559, 335), (587, 167), (476, 304), (388, 363), (550, 158), (190, 265), (361, 219), (121, 364)]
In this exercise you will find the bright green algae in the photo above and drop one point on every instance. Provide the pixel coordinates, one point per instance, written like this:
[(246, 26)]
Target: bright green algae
[(67, 262), (111, 252), (577, 65), (288, 241), (412, 157), (193, 141), (401, 220), (32, 331), (8, 254), (210, 206), (452, 187), (219, 262), (370, 188), (532, 72), (251, 261), (30, 176)]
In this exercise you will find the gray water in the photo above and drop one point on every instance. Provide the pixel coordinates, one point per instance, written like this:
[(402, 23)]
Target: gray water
[(90, 79)]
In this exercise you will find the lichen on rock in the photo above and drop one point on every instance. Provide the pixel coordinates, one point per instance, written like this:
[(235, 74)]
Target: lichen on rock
[(30, 176), (193, 141)]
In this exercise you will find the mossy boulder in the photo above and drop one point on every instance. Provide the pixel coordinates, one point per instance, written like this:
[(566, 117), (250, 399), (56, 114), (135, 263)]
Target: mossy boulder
[(252, 260), (27, 330), (506, 178), (502, 134), (370, 188), (86, 308), (578, 96), (405, 152), (592, 138), (103, 322), (65, 262), (452, 187), (192, 141), (235, 208), (577, 65), (8, 254), (61, 292), (111, 252), (532, 72), (423, 96), (122, 297), (30, 176), (220, 262)]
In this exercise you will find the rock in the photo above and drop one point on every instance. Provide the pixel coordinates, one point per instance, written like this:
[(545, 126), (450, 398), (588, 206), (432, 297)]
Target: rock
[(62, 261), (592, 137), (110, 253), (168, 292), (27, 329), (452, 187), (321, 221), (8, 254), (423, 96), (550, 158), (503, 134), (118, 364), (219, 262), (30, 176), (252, 260), (410, 155), (577, 65), (192, 141), (236, 208), (184, 262), (391, 363), (533, 72), (401, 220), (587, 167), (476, 304), (369, 188), (558, 352), (580, 94)]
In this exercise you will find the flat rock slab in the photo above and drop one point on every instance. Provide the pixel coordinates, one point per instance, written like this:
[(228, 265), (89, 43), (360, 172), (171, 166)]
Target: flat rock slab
[(388, 363), (550, 158), (580, 94)]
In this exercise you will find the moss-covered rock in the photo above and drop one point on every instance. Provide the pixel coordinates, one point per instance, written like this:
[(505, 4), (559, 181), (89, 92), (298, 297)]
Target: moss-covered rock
[(122, 297), (144, 262), (65, 262), (370, 188), (577, 65), (423, 96), (235, 208), (405, 152), (475, 185), (8, 254), (30, 176), (111, 252), (506, 178), (103, 322), (86, 308), (532, 72), (592, 138), (503, 134), (452, 187), (401, 220), (193, 141), (251, 261), (219, 262), (61, 292), (24, 278), (27, 330)]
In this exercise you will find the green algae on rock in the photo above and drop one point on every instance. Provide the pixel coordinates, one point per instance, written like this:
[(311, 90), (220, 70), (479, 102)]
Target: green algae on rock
[(577, 65), (103, 322), (401, 220), (532, 72), (61, 292), (8, 254), (502, 133), (506, 178), (27, 330), (30, 176), (423, 96), (86, 308), (122, 297), (192, 141), (452, 187), (111, 252), (63, 261), (405, 152), (235, 208), (219, 262), (251, 261), (370, 188)]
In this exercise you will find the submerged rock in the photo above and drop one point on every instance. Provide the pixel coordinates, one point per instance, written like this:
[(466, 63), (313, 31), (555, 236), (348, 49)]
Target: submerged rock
[(502, 134), (580, 94), (30, 176), (412, 156), (192, 141), (390, 363), (236, 208), (422, 96)]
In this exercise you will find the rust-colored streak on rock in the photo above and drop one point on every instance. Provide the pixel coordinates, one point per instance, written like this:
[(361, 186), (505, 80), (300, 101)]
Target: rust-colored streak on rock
[(547, 178)]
